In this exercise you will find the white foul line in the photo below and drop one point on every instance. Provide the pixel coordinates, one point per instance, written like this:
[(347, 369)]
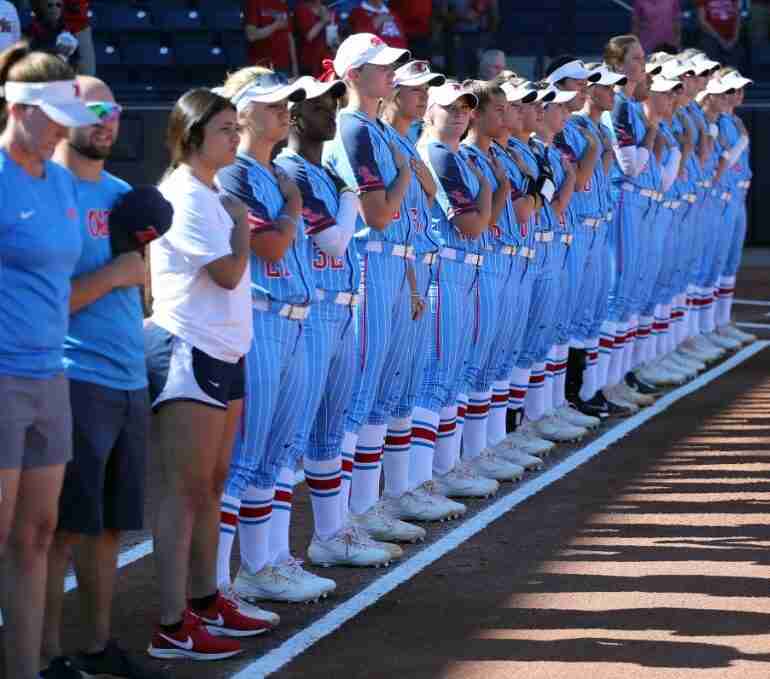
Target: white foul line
[(758, 326), (751, 302), (334, 619)]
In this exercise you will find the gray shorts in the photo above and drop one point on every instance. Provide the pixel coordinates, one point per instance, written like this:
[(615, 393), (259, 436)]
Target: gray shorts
[(35, 422)]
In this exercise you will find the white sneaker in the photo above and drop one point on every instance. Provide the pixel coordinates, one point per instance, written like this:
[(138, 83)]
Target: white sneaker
[(613, 395), (673, 368), (381, 525), (577, 419), (687, 361), (629, 394), (552, 428), (288, 583), (251, 610), (528, 443), (519, 457), (652, 373), (724, 341), (690, 347), (348, 547), (703, 343), (740, 335), (462, 481), (425, 504), (488, 464)]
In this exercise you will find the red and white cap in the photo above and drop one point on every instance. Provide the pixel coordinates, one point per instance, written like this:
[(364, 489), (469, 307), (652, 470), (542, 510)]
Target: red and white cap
[(417, 73), (448, 93), (366, 48), (59, 100)]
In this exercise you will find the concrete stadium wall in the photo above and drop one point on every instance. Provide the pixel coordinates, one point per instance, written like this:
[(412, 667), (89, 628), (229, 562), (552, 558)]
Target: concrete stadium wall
[(140, 157)]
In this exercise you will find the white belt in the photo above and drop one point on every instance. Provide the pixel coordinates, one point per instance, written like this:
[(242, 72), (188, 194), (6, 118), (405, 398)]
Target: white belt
[(543, 236), (464, 257), (592, 222), (510, 250), (294, 312), (672, 204), (609, 216), (529, 253), (566, 238), (652, 195), (714, 192), (430, 258), (705, 184), (726, 196), (341, 298), (397, 250)]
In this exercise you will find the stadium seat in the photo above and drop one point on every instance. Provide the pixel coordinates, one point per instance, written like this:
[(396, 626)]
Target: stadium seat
[(121, 18), (107, 53), (176, 19), (235, 52), (147, 53), (230, 19), (198, 53)]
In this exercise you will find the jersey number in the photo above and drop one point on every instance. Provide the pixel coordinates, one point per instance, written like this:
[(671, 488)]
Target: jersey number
[(323, 261), (276, 270)]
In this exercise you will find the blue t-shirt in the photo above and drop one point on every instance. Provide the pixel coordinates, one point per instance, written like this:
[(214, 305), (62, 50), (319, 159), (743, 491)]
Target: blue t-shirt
[(40, 243), (105, 340), (289, 280)]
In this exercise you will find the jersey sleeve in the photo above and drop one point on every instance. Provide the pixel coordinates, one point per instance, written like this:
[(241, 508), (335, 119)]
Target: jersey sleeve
[(359, 148), (234, 181), (456, 196), (624, 126)]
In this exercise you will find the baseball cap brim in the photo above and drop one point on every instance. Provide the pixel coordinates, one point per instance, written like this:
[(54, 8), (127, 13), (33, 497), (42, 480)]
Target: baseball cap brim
[(561, 96), (447, 94), (431, 79), (610, 78), (73, 114), (664, 85), (676, 70), (738, 81), (523, 94), (389, 56), (574, 70), (317, 88), (653, 69), (703, 65), (293, 92)]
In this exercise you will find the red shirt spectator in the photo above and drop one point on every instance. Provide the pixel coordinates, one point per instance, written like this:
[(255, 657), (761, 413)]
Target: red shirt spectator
[(721, 17), (268, 27), (311, 19), (416, 16), (75, 13), (375, 17)]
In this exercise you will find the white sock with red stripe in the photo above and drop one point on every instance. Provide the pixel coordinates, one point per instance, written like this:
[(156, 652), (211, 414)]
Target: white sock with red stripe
[(518, 388), (693, 304), (550, 373), (475, 435), (462, 411), (711, 310), (425, 425), (606, 346), (279, 524), (324, 481), (395, 456), (497, 410), (560, 376), (534, 405), (349, 441), (628, 347), (725, 300), (445, 455), (591, 371), (254, 520), (663, 322), (615, 372), (643, 340), (365, 490), (228, 519)]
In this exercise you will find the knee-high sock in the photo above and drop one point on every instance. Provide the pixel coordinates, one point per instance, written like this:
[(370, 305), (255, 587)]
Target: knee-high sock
[(711, 312), (615, 373), (693, 304), (606, 348), (280, 551), (349, 441), (324, 481), (425, 425), (519, 388), (462, 411), (497, 410), (445, 457), (643, 339), (228, 519), (254, 519), (549, 375), (395, 456), (725, 300), (628, 348), (534, 405), (475, 435), (365, 490), (560, 376), (590, 372)]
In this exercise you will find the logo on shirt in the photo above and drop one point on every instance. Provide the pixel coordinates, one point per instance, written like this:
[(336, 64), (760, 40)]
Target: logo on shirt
[(419, 227), (98, 223)]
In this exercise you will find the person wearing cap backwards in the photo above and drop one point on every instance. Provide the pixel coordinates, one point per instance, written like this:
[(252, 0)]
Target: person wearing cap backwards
[(330, 212), (363, 155), (499, 289), (104, 360), (464, 202), (730, 125), (40, 243), (594, 206), (409, 492), (258, 490)]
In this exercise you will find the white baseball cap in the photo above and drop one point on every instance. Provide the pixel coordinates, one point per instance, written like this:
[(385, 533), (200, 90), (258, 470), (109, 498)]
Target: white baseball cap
[(559, 96), (574, 69), (448, 93), (524, 93), (736, 80), (607, 77), (317, 88), (715, 86), (673, 69), (268, 88), (661, 84), (416, 73), (366, 48), (59, 100)]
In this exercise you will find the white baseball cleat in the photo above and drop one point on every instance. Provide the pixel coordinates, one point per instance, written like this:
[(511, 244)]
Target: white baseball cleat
[(381, 525), (289, 583), (724, 341), (629, 394), (424, 503), (553, 429), (687, 361), (574, 417), (463, 481), (519, 457), (250, 610), (613, 395), (690, 347), (496, 467), (703, 342), (738, 334), (654, 374), (528, 442), (348, 547), (671, 366)]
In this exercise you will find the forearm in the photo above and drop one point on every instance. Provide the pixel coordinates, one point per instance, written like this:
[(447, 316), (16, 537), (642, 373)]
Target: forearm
[(254, 33), (312, 34), (649, 138), (586, 165), (90, 287), (499, 198), (272, 246)]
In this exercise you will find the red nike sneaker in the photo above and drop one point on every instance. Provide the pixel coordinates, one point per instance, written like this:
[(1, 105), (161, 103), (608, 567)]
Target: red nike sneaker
[(225, 618), (192, 641)]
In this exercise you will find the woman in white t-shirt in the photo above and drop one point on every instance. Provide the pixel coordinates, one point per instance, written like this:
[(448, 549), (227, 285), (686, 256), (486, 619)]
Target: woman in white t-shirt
[(196, 338)]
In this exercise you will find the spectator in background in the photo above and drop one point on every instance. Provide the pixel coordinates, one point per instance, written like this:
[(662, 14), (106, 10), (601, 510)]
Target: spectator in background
[(657, 22), (471, 24), (759, 26), (319, 35), (48, 33), (269, 32), (720, 25), (373, 16), (416, 16), (75, 14), (491, 64), (10, 27)]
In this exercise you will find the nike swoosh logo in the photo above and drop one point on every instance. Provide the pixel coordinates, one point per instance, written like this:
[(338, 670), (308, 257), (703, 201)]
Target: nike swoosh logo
[(220, 621), (27, 214), (186, 645), (214, 384)]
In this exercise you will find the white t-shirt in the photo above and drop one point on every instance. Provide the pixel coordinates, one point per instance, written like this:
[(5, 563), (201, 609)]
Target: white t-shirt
[(10, 26), (186, 300)]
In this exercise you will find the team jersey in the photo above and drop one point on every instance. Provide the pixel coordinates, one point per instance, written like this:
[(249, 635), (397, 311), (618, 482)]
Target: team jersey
[(458, 189), (40, 243), (588, 201), (630, 130), (505, 231), (559, 153), (666, 130), (290, 279), (516, 176), (320, 204), (689, 170), (105, 340), (730, 135), (425, 237), (543, 219), (548, 219), (692, 167), (360, 154)]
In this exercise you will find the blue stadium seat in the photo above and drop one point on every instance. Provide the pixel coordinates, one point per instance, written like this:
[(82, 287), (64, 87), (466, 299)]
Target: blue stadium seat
[(198, 53), (121, 18), (235, 51), (147, 53), (230, 19), (107, 53), (174, 19)]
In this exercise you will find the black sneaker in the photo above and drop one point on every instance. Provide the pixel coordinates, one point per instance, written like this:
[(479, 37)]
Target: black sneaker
[(595, 407), (513, 418), (61, 667), (113, 660), (640, 385)]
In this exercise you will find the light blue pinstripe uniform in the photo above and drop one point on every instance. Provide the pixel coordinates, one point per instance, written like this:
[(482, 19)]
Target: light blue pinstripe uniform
[(743, 174), (276, 365), (360, 154), (711, 213)]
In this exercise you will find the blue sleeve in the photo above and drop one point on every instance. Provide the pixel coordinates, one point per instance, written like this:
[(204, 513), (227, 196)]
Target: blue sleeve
[(357, 142), (458, 194), (564, 147), (315, 212), (624, 125), (234, 180)]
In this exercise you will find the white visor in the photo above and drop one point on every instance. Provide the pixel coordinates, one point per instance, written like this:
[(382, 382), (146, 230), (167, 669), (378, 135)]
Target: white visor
[(317, 88), (559, 96), (607, 77), (574, 69), (448, 93), (737, 81), (675, 69), (268, 88), (661, 84), (417, 73), (702, 65), (653, 68), (715, 86), (366, 48), (59, 100), (524, 94)]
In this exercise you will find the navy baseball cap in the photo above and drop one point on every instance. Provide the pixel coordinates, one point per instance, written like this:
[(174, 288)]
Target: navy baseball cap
[(138, 218)]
